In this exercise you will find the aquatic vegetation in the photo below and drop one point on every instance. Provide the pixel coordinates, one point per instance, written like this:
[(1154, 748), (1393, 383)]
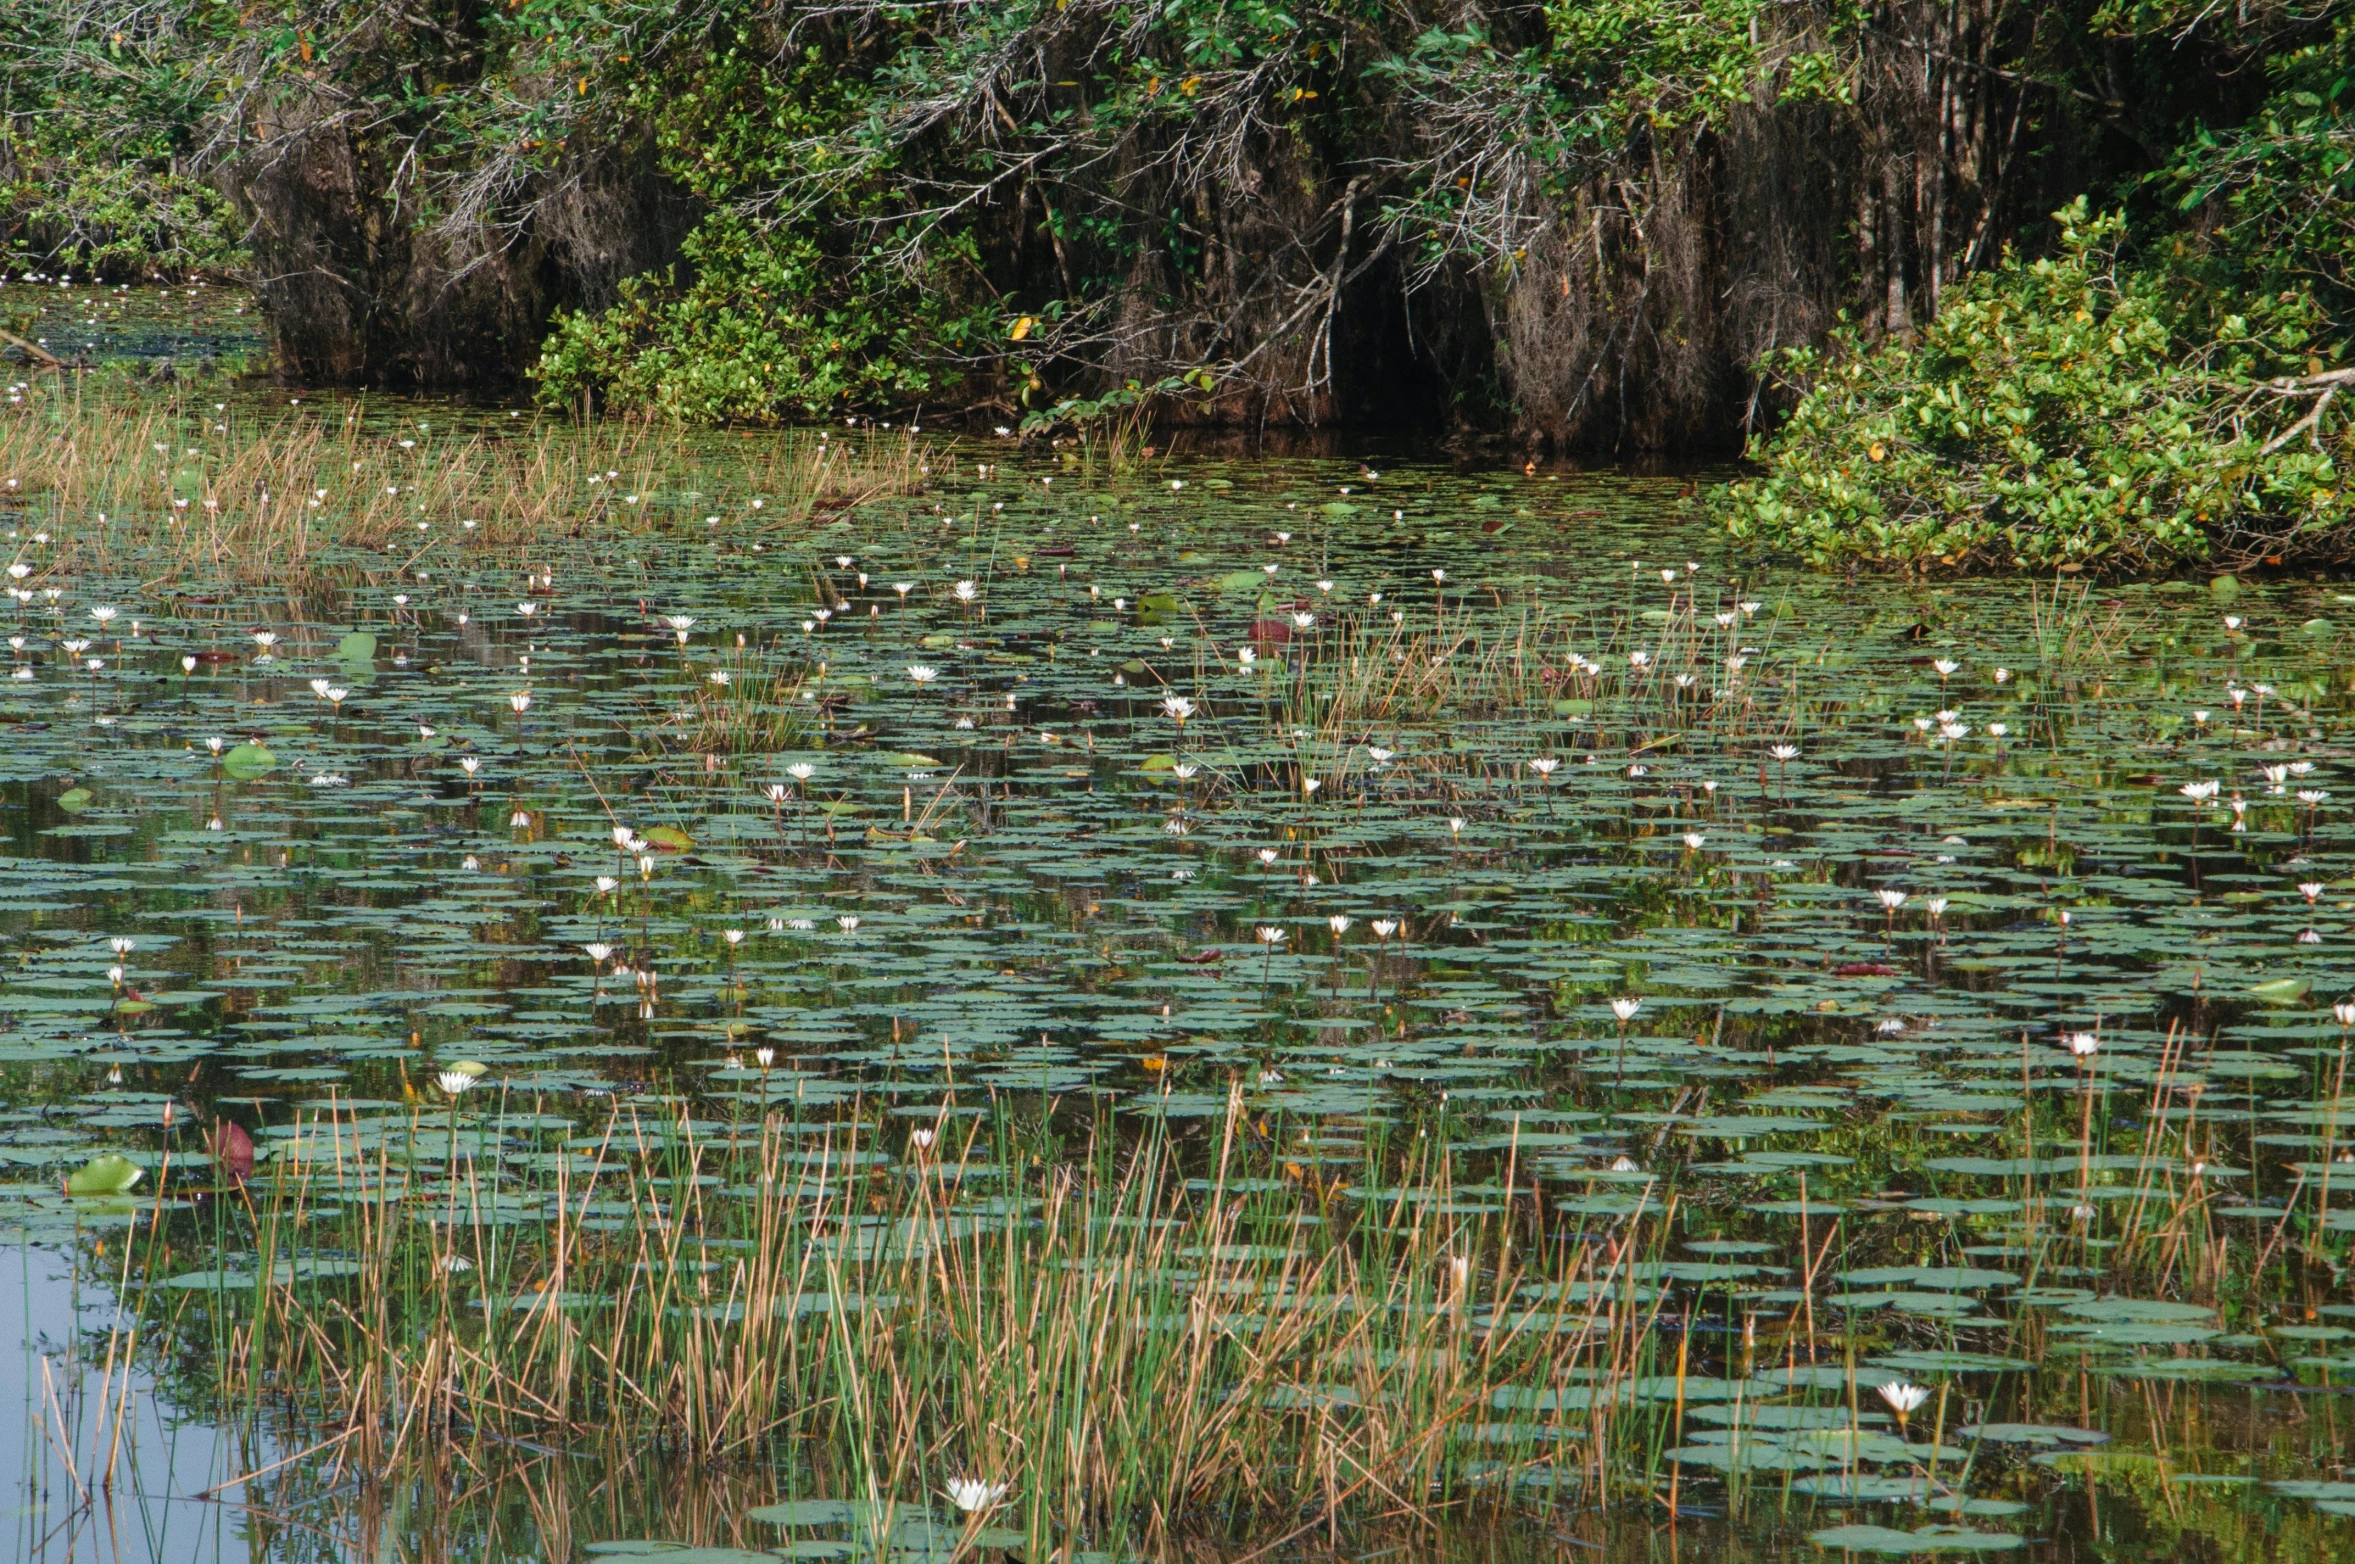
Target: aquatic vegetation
[(1178, 1074)]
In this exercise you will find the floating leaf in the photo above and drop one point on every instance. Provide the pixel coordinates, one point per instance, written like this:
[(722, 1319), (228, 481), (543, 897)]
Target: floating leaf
[(1926, 1539), (106, 1174), (246, 761)]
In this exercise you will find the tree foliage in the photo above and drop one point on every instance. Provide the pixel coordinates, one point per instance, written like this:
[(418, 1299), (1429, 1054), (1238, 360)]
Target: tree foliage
[(2114, 405)]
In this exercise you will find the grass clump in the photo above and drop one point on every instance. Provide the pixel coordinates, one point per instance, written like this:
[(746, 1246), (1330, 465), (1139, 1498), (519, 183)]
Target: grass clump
[(186, 487), (1147, 1334)]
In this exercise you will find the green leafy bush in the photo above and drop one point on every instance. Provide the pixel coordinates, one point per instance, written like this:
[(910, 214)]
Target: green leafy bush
[(2062, 412), (768, 326)]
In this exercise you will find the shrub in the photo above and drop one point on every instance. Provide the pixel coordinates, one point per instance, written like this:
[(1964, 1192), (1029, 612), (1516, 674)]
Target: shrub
[(2061, 412)]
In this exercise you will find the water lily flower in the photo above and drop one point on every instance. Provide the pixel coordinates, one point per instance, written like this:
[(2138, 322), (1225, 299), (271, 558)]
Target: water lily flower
[(1626, 1006), (2199, 792), (967, 591), (1271, 934), (1783, 752), (607, 885), (848, 922), (1177, 707), (1339, 923), (971, 1494), (1384, 927), (457, 1080), (597, 951), (1625, 1164), (2083, 1044), (1543, 765), (521, 700), (1890, 897), (1903, 1398), (922, 673)]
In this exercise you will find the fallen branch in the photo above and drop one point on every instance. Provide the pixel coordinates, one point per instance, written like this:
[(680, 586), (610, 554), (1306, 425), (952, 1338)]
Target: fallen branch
[(32, 351)]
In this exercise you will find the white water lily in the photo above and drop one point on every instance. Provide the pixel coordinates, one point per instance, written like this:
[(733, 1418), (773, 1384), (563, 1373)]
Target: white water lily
[(922, 673), (972, 1494), (1626, 1006), (1904, 1398)]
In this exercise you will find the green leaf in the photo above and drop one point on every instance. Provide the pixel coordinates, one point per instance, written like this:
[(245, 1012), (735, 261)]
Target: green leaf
[(1927, 1539), (247, 761), (107, 1174)]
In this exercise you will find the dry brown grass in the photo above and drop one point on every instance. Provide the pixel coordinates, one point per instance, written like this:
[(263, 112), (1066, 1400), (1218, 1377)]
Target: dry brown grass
[(189, 489)]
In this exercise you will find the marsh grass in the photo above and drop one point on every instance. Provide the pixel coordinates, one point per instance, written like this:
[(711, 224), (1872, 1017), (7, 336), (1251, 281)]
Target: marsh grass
[(203, 486), (1158, 1334), (1141, 1351)]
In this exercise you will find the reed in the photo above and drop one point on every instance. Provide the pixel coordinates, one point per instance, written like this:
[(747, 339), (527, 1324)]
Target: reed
[(1149, 1336), (181, 488)]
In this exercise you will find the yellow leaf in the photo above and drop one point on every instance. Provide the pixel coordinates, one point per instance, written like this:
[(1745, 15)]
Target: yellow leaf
[(1022, 328)]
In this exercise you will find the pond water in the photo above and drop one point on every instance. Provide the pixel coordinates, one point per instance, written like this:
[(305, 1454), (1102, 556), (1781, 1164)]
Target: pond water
[(1866, 984)]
